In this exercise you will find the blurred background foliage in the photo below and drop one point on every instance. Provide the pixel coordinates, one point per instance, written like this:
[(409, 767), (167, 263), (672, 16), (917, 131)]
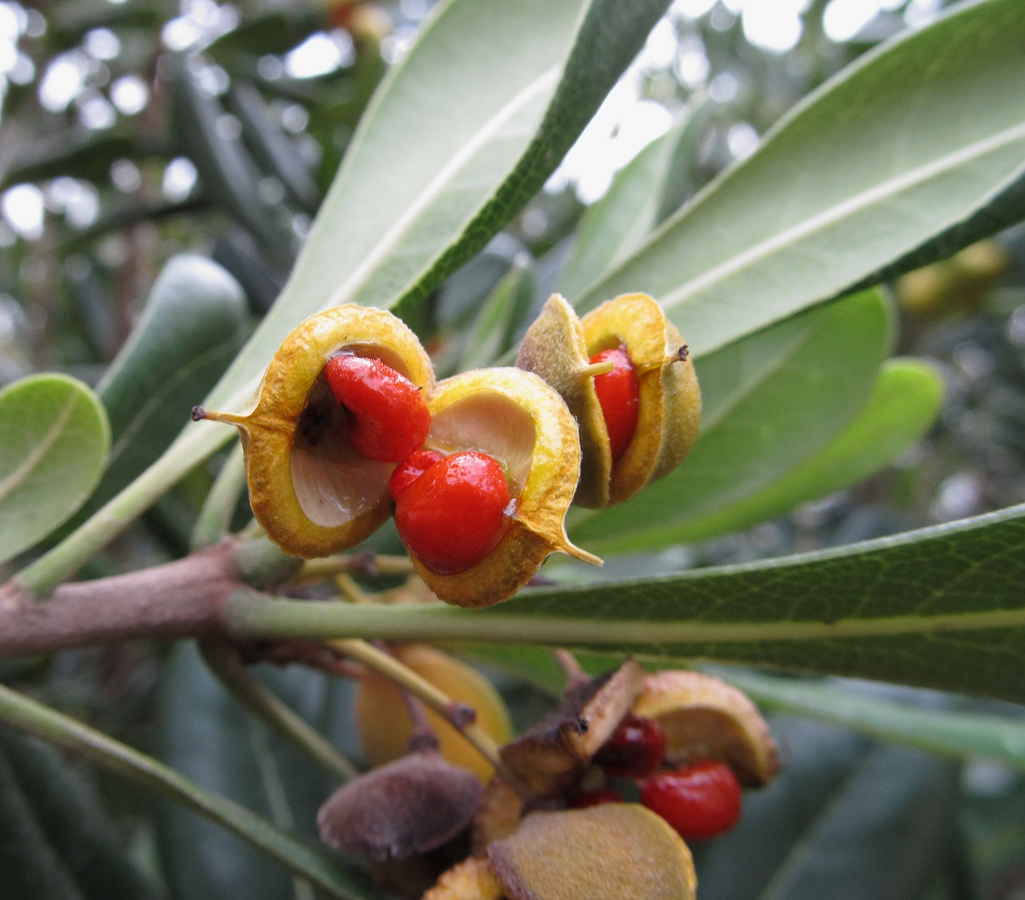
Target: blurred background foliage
[(132, 131)]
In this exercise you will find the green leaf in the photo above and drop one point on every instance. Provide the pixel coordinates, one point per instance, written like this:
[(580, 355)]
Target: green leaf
[(618, 223), (940, 607), (267, 31), (949, 732), (770, 402), (275, 151), (79, 155), (875, 827), (54, 439), (29, 867), (60, 832), (303, 858), (189, 331), (500, 315), (225, 167), (414, 200), (903, 405), (876, 163), (212, 740)]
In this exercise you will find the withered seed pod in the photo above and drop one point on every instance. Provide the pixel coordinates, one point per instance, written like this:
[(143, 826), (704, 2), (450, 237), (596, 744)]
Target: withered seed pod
[(619, 851), (706, 718), (409, 806), (310, 490), (552, 755), (558, 346), (517, 419)]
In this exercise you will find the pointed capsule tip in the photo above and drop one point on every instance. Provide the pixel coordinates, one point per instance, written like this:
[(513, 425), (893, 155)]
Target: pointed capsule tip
[(583, 555), (199, 413), (594, 369)]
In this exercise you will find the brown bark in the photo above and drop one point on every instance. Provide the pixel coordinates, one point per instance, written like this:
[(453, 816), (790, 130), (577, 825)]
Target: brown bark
[(179, 599)]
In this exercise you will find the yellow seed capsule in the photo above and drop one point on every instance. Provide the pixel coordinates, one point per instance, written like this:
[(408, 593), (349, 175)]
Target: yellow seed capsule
[(705, 718), (312, 492), (520, 422), (559, 348), (385, 727)]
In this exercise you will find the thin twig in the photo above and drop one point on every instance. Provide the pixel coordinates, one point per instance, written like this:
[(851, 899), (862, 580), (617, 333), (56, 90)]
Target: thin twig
[(459, 715), (353, 563)]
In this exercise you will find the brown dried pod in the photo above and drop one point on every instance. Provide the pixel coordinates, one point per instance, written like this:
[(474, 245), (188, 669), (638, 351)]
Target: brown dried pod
[(618, 851), (384, 723), (558, 346), (706, 718), (555, 752), (518, 420), (472, 879), (409, 806), (498, 814), (310, 490)]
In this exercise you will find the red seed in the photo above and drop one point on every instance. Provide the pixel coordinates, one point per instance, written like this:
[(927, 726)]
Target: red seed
[(619, 395), (636, 748), (595, 797), (389, 416), (700, 801), (453, 515), (411, 468)]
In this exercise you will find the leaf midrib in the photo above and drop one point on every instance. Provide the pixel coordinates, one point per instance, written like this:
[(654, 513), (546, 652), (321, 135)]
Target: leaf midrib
[(18, 477), (437, 622), (834, 214)]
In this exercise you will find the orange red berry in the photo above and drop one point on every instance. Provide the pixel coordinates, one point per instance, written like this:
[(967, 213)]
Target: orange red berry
[(700, 801), (389, 418), (619, 396), (636, 748), (454, 513)]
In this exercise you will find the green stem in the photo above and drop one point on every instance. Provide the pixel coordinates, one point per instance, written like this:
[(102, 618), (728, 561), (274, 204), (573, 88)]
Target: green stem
[(214, 520), (196, 443), (248, 615), (255, 696), (31, 717), (366, 563), (387, 665)]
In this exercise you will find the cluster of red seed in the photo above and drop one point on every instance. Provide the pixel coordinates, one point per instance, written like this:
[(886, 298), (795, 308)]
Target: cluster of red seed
[(700, 800), (449, 510)]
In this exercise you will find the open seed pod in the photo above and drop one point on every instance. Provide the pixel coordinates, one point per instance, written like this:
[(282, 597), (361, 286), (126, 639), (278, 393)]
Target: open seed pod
[(313, 493), (383, 720), (619, 851), (558, 347), (409, 806), (498, 814), (552, 754), (522, 423), (705, 718)]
